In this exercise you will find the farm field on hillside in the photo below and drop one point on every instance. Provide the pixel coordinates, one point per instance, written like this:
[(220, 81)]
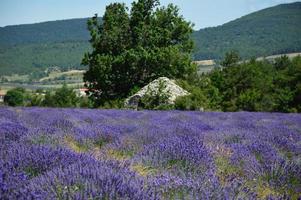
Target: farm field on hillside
[(111, 154)]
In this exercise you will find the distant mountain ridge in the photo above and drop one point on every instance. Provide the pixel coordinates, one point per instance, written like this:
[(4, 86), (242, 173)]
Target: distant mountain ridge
[(274, 30), (34, 47), (45, 32)]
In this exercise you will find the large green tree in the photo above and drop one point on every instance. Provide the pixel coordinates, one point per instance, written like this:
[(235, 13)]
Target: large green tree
[(130, 49)]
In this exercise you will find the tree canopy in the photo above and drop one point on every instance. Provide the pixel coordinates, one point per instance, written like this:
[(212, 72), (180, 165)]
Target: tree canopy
[(130, 49)]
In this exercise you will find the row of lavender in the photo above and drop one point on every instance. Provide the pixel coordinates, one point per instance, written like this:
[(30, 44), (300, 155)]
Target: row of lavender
[(110, 154)]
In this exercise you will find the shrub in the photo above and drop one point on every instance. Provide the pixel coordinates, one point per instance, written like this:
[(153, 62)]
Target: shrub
[(35, 100), (113, 104), (15, 97), (195, 101), (63, 97), (156, 98)]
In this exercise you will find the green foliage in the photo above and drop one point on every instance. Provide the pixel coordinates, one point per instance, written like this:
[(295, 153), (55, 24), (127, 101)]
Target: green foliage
[(63, 97), (156, 98), (195, 101), (231, 58), (15, 97), (113, 104), (132, 49), (203, 94), (35, 100), (256, 86), (85, 102), (249, 86), (190, 102), (241, 84), (49, 100), (249, 100), (288, 81)]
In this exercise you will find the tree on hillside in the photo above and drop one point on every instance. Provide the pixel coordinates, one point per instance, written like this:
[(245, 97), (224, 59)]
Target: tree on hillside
[(130, 49)]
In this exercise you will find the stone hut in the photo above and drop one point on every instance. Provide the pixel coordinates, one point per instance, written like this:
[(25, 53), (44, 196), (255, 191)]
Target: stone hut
[(174, 91)]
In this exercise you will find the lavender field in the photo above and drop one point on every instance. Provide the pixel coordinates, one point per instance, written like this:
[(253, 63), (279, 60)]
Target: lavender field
[(110, 154)]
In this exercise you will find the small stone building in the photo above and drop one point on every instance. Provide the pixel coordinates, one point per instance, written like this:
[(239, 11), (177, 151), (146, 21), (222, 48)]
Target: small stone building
[(170, 87)]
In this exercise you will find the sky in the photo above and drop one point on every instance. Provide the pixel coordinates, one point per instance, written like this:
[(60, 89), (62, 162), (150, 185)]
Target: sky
[(203, 13)]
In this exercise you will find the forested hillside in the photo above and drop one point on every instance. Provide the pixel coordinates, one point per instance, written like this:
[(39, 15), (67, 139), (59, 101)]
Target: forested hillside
[(46, 32), (29, 58), (271, 31), (35, 47)]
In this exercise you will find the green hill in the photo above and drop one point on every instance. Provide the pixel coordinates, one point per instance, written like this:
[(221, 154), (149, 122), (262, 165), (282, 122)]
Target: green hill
[(28, 58), (35, 47), (46, 32), (270, 31)]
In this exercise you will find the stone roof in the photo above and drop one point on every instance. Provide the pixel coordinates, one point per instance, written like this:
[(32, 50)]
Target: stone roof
[(170, 87)]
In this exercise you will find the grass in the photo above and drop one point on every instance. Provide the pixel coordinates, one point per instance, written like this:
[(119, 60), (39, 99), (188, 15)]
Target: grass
[(265, 191), (121, 155), (77, 146), (101, 142), (176, 163), (143, 170), (89, 145), (75, 74), (225, 169)]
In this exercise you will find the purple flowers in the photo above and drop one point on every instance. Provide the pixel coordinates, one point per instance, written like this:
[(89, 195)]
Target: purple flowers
[(111, 154)]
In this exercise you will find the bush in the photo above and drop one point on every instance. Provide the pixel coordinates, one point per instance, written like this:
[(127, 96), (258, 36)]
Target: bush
[(156, 98), (15, 97), (113, 104), (63, 97), (35, 100), (195, 101), (85, 102)]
